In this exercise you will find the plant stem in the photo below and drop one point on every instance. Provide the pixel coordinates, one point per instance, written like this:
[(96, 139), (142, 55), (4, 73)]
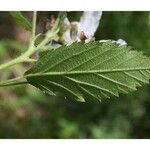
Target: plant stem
[(11, 63), (14, 81), (34, 24), (25, 57), (33, 29)]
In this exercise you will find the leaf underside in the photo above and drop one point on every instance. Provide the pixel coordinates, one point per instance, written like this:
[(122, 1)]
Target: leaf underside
[(90, 71)]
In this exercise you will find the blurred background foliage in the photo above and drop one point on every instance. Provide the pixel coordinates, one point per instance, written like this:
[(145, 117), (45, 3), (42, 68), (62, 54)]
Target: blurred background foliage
[(25, 112)]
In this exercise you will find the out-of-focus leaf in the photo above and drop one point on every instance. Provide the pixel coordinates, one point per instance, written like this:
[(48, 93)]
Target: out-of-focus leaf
[(21, 20), (7, 44)]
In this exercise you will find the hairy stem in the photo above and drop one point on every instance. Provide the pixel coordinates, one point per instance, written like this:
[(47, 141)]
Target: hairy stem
[(25, 57), (34, 24), (15, 81), (11, 63), (33, 29)]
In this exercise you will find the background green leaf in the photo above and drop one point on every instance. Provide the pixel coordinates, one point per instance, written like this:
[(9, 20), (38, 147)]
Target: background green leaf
[(90, 71), (21, 20)]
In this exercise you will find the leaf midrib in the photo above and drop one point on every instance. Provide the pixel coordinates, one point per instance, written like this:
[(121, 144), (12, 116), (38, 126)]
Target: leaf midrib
[(86, 72)]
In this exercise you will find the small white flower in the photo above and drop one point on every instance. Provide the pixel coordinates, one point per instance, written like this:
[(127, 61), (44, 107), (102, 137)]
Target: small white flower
[(85, 29), (89, 23)]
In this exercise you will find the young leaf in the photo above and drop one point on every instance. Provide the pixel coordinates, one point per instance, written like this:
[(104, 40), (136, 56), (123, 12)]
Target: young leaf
[(21, 20), (90, 71)]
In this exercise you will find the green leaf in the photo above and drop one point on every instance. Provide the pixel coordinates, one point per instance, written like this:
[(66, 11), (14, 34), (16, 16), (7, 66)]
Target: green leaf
[(90, 71), (21, 20)]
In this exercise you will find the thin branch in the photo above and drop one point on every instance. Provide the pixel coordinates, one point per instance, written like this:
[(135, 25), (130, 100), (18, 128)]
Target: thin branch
[(14, 81), (11, 63), (34, 24)]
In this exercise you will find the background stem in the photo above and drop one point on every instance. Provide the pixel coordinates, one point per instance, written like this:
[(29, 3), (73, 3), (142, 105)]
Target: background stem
[(34, 24)]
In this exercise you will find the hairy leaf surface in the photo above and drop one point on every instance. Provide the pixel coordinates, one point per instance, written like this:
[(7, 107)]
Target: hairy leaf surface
[(90, 71)]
